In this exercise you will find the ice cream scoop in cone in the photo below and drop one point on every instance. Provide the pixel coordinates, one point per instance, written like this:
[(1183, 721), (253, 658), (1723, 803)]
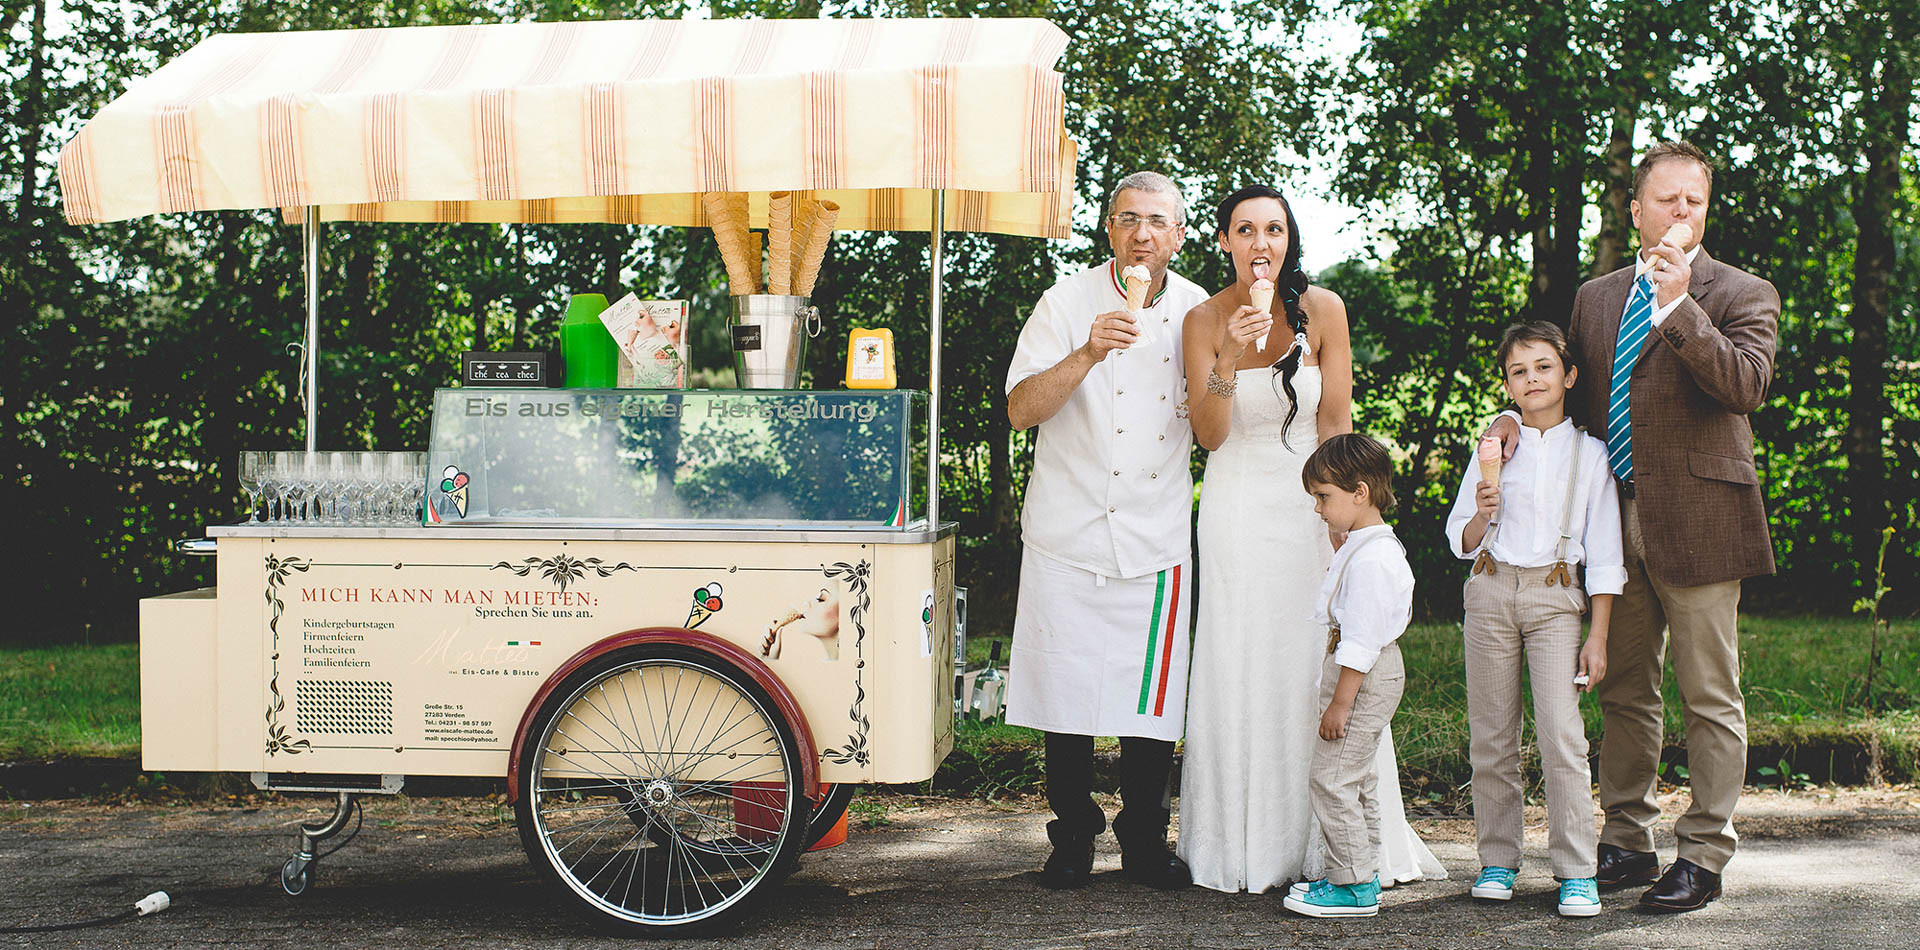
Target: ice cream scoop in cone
[(1680, 235), (1138, 281), (1489, 457), (1260, 294)]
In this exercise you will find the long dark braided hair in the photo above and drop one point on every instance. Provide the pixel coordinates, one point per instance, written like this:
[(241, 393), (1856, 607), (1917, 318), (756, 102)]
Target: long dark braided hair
[(1290, 285)]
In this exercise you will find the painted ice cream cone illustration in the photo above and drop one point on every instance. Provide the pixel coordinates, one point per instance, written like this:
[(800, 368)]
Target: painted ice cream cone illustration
[(1260, 294), (1138, 280), (453, 482), (1489, 456), (706, 603)]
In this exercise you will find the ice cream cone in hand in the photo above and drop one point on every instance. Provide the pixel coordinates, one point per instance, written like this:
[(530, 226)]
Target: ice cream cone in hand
[(1260, 294), (1137, 280), (1489, 456), (1680, 235)]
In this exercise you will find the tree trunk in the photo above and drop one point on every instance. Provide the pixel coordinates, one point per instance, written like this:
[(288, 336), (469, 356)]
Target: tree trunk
[(30, 117), (1875, 197), (1563, 265), (1616, 219)]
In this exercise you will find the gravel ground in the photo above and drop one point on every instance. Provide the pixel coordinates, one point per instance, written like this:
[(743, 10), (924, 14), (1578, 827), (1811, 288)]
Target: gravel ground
[(1822, 868)]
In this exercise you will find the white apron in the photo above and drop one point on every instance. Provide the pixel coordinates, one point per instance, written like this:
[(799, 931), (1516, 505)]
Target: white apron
[(1100, 656)]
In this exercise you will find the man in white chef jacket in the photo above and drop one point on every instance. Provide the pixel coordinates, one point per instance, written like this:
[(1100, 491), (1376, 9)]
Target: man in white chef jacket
[(1100, 639)]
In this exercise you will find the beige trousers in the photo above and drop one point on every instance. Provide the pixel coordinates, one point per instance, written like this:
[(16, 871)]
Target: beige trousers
[(1695, 628), (1343, 781), (1511, 610)]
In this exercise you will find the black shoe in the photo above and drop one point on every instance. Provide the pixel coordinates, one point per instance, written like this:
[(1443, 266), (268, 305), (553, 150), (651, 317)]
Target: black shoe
[(1156, 867), (1622, 868), (1685, 886), (1070, 865)]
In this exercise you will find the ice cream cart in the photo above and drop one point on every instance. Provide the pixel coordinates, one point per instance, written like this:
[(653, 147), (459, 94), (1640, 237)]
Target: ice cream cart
[(681, 624)]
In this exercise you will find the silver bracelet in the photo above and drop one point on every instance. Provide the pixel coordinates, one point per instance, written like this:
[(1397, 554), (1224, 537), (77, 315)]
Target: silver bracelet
[(1221, 387)]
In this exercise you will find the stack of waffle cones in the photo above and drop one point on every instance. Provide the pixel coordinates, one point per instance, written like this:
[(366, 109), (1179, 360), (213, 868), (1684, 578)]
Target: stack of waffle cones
[(798, 230)]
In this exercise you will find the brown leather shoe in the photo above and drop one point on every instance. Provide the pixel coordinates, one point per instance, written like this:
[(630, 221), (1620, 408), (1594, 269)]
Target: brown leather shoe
[(1619, 867), (1685, 886)]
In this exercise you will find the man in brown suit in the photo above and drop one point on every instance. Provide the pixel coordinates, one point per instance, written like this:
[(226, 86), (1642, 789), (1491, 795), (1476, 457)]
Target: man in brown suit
[(1693, 344)]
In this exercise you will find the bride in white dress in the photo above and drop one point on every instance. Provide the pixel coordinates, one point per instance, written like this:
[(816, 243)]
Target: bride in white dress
[(1252, 712)]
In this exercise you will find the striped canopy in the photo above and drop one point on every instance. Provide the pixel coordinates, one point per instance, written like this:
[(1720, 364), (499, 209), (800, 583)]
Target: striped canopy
[(616, 121)]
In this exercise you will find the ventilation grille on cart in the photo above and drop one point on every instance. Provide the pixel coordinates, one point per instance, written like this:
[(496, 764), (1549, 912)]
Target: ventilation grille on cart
[(343, 707)]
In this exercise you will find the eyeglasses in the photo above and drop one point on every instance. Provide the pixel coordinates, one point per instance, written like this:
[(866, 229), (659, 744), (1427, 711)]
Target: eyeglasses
[(1157, 223)]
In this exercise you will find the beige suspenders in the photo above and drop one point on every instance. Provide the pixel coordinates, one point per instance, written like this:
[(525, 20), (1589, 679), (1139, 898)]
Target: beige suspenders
[(1562, 573)]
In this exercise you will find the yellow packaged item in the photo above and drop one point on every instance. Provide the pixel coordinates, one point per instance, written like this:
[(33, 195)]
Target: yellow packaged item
[(870, 359)]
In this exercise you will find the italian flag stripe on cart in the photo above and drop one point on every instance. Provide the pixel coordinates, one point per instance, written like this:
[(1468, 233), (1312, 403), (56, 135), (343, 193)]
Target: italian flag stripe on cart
[(1166, 602)]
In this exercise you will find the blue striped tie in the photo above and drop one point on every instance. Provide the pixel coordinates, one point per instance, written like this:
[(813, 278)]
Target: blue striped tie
[(1634, 327)]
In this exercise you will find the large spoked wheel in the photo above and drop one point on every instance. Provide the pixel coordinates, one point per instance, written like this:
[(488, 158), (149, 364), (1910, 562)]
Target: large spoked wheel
[(662, 790)]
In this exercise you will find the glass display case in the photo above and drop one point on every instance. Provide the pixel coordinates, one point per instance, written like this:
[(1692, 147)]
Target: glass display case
[(600, 457)]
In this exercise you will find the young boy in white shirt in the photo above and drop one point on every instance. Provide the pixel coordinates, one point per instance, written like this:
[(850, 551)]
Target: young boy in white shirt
[(1528, 528), (1366, 600)]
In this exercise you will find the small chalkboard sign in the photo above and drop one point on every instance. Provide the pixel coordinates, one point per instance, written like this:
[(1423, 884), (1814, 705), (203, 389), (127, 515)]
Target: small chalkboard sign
[(529, 370)]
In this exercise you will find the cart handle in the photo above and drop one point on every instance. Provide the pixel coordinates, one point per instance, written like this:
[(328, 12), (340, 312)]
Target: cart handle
[(196, 547)]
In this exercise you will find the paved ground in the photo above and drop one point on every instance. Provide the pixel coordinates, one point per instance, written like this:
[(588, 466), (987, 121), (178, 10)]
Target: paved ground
[(1816, 869)]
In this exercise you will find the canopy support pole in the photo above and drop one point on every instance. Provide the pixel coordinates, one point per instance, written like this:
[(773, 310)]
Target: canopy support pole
[(310, 349), (939, 267)]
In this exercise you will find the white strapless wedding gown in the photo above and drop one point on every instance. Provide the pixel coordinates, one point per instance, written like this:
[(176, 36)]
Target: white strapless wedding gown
[(1253, 706)]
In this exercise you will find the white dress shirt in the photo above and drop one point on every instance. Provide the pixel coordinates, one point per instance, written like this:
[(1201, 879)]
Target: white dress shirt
[(1533, 495), (1375, 600), (1640, 266), (1110, 491)]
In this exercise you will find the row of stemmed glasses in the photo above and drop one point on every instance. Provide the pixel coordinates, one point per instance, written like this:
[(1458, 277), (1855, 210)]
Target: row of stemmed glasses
[(358, 488)]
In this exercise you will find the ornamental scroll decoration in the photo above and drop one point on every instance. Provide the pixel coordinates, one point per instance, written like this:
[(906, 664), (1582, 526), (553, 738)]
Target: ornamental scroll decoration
[(856, 577), (278, 739), (564, 569)]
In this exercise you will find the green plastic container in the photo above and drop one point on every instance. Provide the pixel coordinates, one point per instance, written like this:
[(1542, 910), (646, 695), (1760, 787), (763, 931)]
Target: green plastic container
[(592, 358)]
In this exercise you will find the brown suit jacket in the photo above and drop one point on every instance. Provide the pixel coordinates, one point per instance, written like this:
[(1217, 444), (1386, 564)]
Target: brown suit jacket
[(1700, 372)]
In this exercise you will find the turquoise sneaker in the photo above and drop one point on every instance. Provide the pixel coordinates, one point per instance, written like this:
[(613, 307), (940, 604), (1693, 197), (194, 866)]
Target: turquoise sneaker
[(1495, 884), (1302, 887), (1337, 900), (1579, 897)]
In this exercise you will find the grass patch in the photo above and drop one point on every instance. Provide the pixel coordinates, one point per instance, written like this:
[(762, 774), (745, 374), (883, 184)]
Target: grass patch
[(1802, 676), (70, 702)]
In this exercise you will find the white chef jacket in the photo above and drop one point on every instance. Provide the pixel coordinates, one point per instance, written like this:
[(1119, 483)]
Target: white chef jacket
[(1533, 492), (1111, 492), (1375, 601)]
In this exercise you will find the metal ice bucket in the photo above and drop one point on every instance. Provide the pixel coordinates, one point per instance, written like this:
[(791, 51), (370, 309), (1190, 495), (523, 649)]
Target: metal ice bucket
[(770, 334)]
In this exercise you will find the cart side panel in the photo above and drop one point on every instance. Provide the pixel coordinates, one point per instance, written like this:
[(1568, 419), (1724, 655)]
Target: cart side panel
[(177, 635), (419, 655), (913, 695), (238, 655)]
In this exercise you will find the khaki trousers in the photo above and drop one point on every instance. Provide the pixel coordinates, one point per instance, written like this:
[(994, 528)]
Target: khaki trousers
[(1511, 610), (1343, 782), (1695, 627)]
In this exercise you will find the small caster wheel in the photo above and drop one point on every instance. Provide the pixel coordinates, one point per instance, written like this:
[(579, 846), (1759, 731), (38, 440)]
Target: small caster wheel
[(294, 878)]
